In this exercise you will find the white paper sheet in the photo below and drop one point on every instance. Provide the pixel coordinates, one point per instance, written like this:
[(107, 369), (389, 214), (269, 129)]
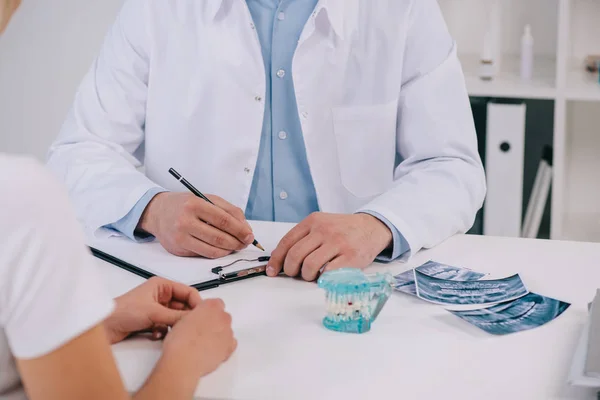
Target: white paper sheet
[(152, 257)]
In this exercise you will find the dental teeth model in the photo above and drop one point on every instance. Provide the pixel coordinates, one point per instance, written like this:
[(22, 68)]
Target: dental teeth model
[(353, 299)]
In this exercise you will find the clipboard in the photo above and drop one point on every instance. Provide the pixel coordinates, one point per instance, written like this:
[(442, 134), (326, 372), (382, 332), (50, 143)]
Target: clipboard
[(150, 259)]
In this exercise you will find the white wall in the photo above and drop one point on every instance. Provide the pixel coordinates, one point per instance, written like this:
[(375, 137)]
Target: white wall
[(46, 50), (464, 19)]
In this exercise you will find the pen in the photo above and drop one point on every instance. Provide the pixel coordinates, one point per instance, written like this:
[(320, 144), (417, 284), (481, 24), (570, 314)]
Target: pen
[(192, 189)]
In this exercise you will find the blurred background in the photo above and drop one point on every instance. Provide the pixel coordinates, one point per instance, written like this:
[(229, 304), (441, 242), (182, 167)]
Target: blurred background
[(539, 131)]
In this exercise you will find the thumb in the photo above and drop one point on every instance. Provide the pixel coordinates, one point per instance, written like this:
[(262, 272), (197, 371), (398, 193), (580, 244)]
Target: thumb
[(162, 315)]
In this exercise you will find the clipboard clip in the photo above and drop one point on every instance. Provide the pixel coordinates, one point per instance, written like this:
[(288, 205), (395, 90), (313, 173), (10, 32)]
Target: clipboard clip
[(219, 269)]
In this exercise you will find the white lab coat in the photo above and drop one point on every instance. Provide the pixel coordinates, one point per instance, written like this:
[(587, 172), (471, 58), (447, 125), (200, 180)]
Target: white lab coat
[(381, 96)]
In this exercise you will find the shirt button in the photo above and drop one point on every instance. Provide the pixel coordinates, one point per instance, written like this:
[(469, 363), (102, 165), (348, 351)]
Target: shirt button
[(282, 135), (283, 195), (281, 73), (304, 114), (258, 98), (281, 16), (247, 170)]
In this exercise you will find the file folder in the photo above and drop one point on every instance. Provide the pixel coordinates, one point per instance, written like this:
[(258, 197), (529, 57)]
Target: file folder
[(504, 163)]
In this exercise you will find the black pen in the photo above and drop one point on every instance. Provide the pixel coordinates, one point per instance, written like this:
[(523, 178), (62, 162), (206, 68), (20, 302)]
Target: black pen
[(192, 189)]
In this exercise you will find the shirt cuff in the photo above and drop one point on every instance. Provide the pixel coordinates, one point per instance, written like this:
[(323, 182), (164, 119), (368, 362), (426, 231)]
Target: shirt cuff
[(128, 224), (399, 244)]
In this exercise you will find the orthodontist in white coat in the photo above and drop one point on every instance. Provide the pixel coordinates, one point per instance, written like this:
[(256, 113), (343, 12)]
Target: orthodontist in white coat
[(350, 117)]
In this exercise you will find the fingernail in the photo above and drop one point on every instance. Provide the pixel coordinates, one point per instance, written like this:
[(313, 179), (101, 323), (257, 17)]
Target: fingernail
[(270, 271), (249, 238)]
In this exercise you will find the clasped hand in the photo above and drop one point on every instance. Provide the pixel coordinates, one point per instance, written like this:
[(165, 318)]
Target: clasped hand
[(200, 328)]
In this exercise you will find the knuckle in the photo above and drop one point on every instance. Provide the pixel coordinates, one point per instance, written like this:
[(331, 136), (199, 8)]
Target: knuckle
[(219, 240), (223, 221), (157, 280), (324, 229), (286, 242), (312, 217), (227, 319)]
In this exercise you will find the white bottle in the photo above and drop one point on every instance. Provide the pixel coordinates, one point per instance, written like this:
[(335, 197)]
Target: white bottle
[(486, 64), (527, 54)]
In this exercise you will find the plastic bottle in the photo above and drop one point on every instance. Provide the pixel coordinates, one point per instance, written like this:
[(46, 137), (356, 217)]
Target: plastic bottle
[(527, 54)]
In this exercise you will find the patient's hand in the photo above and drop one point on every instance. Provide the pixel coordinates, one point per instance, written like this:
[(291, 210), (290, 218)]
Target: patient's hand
[(203, 339), (153, 306)]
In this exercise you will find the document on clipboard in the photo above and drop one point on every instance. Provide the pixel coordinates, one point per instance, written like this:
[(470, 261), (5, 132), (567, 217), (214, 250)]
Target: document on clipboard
[(151, 259)]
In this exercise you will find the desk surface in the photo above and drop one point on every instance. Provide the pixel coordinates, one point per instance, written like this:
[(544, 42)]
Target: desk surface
[(415, 350)]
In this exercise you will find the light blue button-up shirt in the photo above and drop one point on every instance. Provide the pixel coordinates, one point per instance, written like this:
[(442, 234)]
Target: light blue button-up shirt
[(282, 188)]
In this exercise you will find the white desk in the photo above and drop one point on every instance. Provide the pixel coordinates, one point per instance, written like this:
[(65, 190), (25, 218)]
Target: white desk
[(414, 351)]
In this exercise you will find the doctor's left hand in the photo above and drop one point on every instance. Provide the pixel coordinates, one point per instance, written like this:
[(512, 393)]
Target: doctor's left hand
[(334, 239)]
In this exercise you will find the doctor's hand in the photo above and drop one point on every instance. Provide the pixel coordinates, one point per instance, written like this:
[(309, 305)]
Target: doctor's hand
[(189, 226), (330, 240)]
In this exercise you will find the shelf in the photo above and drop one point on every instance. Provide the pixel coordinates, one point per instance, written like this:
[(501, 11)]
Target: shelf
[(582, 85), (508, 82)]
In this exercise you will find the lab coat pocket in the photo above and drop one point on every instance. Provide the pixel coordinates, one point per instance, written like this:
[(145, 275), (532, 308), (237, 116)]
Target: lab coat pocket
[(366, 147)]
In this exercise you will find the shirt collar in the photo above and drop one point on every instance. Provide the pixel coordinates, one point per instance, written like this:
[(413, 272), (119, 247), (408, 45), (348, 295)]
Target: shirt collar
[(340, 13)]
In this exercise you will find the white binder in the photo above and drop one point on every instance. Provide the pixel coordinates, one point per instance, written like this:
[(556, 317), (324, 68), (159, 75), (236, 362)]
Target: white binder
[(504, 159)]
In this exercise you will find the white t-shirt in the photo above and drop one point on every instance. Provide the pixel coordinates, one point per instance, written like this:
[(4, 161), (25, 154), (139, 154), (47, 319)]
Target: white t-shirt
[(49, 287)]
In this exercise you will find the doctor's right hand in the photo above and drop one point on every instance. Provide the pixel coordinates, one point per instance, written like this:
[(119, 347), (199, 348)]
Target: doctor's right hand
[(189, 226)]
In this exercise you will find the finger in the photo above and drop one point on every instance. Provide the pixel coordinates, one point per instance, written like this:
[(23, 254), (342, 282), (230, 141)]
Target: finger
[(213, 236), (225, 222), (182, 295), (278, 255), (161, 315), (236, 212), (316, 260), (198, 247), (177, 305), (297, 254), (339, 262)]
